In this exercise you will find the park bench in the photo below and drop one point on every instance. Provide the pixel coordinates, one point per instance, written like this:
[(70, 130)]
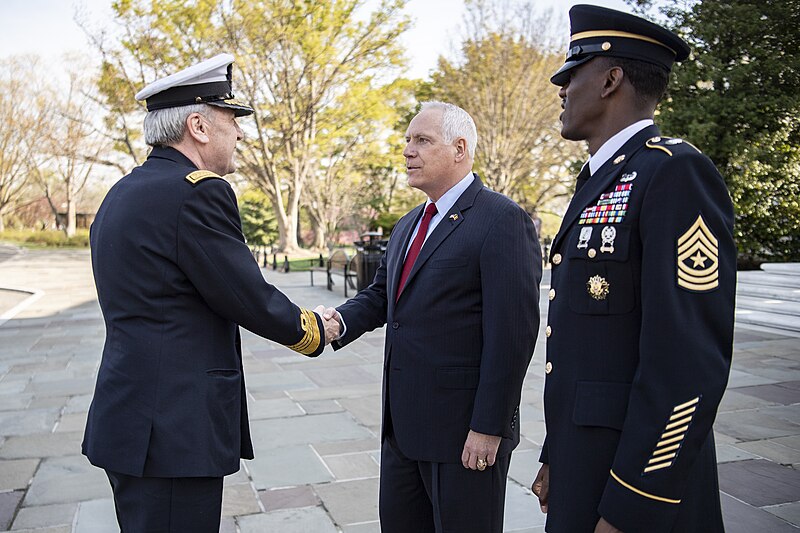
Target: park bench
[(338, 263)]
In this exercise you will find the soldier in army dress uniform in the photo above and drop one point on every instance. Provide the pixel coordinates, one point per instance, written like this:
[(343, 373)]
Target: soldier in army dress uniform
[(640, 326), (175, 280)]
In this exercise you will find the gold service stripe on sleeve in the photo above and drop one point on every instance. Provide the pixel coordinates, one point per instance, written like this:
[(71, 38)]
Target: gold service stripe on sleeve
[(641, 492), (311, 338)]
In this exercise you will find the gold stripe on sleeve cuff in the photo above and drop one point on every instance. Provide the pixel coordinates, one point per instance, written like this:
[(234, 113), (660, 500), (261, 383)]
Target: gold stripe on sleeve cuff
[(643, 493), (311, 337)]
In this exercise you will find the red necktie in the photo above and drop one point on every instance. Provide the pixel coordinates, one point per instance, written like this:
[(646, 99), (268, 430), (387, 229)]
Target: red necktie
[(416, 246)]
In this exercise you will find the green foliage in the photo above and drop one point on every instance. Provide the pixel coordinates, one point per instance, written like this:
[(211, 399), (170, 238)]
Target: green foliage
[(49, 239), (317, 74), (258, 219), (737, 99)]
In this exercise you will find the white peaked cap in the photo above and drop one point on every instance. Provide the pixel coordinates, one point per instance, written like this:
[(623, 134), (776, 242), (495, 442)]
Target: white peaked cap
[(208, 82)]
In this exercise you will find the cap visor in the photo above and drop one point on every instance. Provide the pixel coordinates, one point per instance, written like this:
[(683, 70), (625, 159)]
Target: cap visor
[(561, 77), (240, 109)]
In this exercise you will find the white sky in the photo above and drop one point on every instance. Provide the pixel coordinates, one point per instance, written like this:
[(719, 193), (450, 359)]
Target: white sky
[(47, 27)]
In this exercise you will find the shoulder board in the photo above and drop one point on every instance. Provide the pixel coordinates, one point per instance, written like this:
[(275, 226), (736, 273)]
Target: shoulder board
[(199, 175), (667, 144)]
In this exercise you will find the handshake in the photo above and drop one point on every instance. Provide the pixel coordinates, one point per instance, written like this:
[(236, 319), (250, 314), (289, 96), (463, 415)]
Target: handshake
[(332, 321)]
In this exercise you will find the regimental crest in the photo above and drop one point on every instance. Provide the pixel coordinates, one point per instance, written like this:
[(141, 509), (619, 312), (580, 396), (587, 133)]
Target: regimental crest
[(698, 258), (598, 287)]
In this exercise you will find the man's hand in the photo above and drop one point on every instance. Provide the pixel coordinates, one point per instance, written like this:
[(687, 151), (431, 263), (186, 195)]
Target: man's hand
[(331, 321), (479, 446), (604, 527), (541, 486)]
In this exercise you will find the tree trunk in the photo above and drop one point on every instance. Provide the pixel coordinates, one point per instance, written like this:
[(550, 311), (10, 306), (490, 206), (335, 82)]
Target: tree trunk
[(71, 218)]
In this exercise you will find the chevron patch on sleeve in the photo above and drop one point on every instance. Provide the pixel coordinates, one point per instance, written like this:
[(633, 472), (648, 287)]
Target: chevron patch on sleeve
[(698, 258)]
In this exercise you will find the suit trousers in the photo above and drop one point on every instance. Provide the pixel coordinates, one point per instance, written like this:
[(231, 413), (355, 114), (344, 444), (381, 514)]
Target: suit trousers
[(424, 497), (167, 505)]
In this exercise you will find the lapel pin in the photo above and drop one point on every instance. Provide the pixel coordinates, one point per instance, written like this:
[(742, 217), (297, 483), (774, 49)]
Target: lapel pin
[(454, 217), (619, 160)]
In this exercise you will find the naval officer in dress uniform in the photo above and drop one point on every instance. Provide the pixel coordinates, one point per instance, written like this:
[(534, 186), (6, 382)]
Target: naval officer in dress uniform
[(640, 326), (175, 280)]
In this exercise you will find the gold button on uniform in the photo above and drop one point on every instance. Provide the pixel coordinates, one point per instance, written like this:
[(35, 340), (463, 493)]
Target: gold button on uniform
[(557, 259), (548, 331), (552, 294), (548, 367), (592, 252)]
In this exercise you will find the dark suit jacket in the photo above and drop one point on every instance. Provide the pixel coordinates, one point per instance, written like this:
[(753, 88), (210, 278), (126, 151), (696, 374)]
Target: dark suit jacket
[(175, 280), (460, 338), (637, 367)]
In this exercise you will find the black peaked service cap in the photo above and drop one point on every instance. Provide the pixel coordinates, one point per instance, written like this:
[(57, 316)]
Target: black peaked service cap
[(599, 31)]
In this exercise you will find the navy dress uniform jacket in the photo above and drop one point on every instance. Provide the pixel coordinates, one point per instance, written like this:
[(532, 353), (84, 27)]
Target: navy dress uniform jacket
[(640, 335), (175, 280), (461, 336)]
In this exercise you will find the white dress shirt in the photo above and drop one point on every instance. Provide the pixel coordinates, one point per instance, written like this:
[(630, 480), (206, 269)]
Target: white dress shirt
[(443, 206), (611, 146)]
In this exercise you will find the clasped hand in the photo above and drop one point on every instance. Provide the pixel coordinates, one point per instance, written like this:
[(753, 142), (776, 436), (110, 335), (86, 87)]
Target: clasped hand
[(332, 322)]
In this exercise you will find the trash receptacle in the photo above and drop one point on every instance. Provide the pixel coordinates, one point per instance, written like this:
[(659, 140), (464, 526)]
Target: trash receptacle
[(370, 250)]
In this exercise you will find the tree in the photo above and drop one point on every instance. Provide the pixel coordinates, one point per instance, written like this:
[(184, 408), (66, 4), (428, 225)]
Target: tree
[(502, 80), (736, 98), (73, 145), (296, 61), (23, 122), (258, 220)]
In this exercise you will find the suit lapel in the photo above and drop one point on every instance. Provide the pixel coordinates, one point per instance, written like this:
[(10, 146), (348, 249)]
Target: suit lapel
[(445, 227), (601, 180), (395, 265)]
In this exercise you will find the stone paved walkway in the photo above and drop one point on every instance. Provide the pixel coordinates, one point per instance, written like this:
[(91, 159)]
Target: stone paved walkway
[(315, 422)]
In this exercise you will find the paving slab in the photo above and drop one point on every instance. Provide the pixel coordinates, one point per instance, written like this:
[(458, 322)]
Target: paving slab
[(319, 407), (287, 467), (350, 502), (743, 518), (310, 428), (288, 498), (41, 445), (754, 425), (302, 520), (25, 422), (789, 512), (17, 474), (39, 516), (9, 501), (274, 408), (67, 479), (96, 516), (352, 466), (240, 499), (777, 450), (759, 482)]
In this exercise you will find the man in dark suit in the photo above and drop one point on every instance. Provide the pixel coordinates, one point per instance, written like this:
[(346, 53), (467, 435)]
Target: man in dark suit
[(458, 287), (640, 326), (175, 281)]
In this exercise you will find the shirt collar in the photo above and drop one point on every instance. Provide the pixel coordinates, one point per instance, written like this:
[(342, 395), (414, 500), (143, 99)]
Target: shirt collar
[(448, 199), (611, 146)]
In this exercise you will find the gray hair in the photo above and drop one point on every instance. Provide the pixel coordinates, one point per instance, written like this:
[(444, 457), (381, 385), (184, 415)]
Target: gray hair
[(455, 123), (166, 126)]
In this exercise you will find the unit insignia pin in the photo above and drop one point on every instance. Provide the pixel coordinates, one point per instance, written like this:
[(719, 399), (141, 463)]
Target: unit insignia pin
[(583, 239), (674, 141), (454, 217), (628, 177), (608, 235), (598, 287)]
